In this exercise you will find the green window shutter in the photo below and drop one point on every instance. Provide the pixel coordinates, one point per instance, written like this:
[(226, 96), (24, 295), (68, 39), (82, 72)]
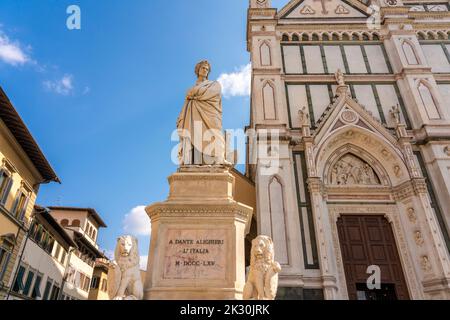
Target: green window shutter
[(47, 290), (36, 293), (18, 284), (28, 283)]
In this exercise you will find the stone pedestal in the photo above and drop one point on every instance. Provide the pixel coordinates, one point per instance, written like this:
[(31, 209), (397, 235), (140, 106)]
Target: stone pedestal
[(197, 242)]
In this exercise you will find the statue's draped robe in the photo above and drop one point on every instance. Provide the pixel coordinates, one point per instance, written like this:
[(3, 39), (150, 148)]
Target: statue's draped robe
[(202, 114)]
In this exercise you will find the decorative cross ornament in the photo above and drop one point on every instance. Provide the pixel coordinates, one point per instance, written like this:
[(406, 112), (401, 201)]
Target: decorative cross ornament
[(324, 9)]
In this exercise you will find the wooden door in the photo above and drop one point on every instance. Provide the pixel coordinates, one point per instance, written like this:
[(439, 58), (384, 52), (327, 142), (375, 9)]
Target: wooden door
[(367, 241)]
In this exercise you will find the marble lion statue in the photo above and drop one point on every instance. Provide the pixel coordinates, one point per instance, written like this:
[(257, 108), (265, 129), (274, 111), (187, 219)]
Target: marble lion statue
[(124, 275), (262, 281)]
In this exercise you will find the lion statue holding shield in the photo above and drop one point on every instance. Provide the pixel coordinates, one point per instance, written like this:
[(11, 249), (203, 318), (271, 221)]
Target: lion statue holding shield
[(262, 282), (124, 276)]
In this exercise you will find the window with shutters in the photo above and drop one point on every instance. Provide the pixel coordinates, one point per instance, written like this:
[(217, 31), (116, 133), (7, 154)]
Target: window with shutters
[(104, 285), (36, 291), (28, 282), (95, 282), (5, 254), (48, 287), (55, 292), (5, 185), (18, 283), (20, 205), (57, 251)]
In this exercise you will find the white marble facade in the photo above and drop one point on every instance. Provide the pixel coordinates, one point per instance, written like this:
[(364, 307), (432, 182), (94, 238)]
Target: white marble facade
[(353, 155)]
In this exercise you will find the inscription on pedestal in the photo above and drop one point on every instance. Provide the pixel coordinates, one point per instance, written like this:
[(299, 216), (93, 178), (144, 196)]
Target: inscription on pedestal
[(195, 254)]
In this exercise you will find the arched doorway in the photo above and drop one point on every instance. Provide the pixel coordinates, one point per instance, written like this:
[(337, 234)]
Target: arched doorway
[(362, 206), (368, 241)]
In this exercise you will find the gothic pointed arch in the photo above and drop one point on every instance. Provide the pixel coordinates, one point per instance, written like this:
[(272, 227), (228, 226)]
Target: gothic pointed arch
[(265, 54), (352, 165), (269, 103), (410, 52), (278, 219), (382, 155), (428, 97)]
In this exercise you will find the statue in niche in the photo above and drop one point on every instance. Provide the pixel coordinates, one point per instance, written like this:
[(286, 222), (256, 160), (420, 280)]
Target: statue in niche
[(304, 116), (419, 238), (425, 263), (412, 215), (340, 77), (395, 114), (350, 170), (200, 122)]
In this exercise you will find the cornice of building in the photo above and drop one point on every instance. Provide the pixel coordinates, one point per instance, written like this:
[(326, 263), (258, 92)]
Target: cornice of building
[(22, 135), (431, 25), (262, 12), (428, 14), (323, 27), (394, 10)]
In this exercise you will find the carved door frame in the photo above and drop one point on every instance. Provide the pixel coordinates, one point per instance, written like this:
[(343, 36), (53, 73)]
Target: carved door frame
[(390, 212)]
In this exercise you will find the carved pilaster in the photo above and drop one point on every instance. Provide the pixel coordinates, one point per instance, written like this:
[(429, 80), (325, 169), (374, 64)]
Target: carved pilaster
[(309, 152)]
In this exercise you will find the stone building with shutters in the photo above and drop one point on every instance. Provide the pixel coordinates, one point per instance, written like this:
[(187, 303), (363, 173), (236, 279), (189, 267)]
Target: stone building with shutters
[(350, 145), (82, 225), (23, 168), (43, 265), (99, 284)]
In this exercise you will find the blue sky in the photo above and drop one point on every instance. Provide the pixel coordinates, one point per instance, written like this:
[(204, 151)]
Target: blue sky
[(102, 101)]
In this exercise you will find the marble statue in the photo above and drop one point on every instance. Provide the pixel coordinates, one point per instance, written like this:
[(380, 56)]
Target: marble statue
[(200, 122), (395, 114), (262, 282), (304, 116), (124, 275), (340, 77)]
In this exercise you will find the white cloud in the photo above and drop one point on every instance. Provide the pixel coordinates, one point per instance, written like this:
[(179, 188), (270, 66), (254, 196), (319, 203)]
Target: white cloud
[(11, 52), (143, 262), (137, 222), (63, 86), (236, 83)]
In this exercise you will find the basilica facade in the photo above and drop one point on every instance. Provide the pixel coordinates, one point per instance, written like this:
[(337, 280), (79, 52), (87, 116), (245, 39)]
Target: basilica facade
[(350, 156)]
